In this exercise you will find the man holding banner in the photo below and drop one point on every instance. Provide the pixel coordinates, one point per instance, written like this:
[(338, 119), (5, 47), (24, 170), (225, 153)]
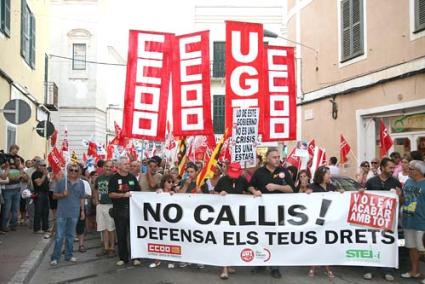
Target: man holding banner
[(120, 186), (271, 178)]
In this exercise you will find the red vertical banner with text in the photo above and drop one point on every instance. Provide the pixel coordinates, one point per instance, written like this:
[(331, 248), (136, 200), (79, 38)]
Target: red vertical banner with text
[(147, 85), (244, 68), (280, 110), (191, 85)]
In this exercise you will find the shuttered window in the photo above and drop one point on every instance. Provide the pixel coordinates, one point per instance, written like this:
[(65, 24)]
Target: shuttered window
[(352, 33), (27, 35), (79, 56), (5, 17), (219, 59), (419, 15), (218, 114)]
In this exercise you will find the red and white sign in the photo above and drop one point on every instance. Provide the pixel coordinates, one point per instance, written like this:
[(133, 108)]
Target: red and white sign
[(191, 85), (56, 160), (147, 85), (164, 249), (372, 210), (244, 68), (280, 113)]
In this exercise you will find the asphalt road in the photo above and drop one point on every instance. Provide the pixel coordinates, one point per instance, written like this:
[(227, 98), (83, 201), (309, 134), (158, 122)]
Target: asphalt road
[(92, 269)]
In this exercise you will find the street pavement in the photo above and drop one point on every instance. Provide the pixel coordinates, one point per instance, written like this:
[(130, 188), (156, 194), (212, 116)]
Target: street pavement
[(92, 269)]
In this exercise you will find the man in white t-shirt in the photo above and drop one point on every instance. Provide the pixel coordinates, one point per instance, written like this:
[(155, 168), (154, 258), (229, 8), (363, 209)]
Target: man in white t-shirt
[(333, 168)]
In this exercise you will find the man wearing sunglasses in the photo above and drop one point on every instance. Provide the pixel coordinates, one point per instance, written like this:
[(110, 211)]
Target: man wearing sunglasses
[(40, 182), (70, 194)]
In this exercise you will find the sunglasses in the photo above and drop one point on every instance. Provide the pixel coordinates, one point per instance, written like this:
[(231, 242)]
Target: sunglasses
[(43, 165), (373, 162), (367, 166), (73, 170)]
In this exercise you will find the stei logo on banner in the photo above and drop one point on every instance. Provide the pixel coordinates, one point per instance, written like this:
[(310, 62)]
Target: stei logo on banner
[(245, 136)]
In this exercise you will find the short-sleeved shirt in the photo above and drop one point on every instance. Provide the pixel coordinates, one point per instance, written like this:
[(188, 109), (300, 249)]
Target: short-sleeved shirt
[(318, 188), (263, 177), (122, 184), (44, 187), (101, 185), (233, 186), (376, 183), (144, 184), (69, 207), (414, 205)]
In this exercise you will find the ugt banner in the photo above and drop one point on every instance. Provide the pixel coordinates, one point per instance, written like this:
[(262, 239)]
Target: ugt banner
[(244, 68), (147, 84), (240, 230)]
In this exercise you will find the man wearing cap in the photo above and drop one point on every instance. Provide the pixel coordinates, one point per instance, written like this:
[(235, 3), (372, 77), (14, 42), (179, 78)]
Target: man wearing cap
[(413, 200), (40, 181), (150, 180), (271, 178), (234, 183)]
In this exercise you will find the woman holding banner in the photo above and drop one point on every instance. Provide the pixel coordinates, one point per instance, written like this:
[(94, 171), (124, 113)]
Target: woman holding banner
[(232, 183), (166, 186), (321, 183)]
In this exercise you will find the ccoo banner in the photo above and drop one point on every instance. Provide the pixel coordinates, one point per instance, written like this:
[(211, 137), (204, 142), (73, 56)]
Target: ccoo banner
[(147, 85), (338, 229), (191, 85), (280, 110)]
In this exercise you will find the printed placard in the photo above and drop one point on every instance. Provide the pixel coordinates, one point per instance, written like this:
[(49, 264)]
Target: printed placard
[(244, 138)]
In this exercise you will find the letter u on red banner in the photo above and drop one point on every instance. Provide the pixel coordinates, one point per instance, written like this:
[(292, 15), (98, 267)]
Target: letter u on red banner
[(244, 68), (191, 85), (147, 85), (280, 111)]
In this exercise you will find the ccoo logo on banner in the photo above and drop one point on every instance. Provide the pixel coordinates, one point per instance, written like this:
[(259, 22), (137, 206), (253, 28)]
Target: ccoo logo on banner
[(338, 229)]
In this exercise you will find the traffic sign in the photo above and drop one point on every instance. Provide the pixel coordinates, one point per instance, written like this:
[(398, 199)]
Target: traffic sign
[(17, 111), (45, 125)]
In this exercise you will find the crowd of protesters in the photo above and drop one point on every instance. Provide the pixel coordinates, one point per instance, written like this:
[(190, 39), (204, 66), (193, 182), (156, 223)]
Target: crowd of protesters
[(81, 201)]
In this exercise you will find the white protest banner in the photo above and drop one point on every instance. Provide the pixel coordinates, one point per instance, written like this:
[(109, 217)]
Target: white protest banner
[(277, 229), (245, 135)]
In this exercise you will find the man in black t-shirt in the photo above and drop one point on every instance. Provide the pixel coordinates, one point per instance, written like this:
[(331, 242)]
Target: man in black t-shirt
[(383, 181), (271, 178), (120, 186), (40, 183)]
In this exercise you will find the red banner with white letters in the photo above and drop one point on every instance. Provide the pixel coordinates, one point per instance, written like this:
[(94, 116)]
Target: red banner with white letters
[(147, 85), (191, 85), (244, 68), (280, 110)]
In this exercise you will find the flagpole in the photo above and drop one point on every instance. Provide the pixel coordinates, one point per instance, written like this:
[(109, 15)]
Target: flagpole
[(351, 152)]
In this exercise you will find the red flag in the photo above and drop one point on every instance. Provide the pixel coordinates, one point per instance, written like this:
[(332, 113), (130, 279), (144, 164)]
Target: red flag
[(244, 69), (54, 138), (280, 110), (56, 160), (386, 141), (319, 158), (292, 159), (84, 159), (65, 145), (92, 149), (344, 149), (191, 85), (147, 84), (109, 151)]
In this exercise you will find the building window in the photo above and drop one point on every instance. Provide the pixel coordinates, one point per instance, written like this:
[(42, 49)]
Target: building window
[(352, 24), (27, 34), (79, 56), (10, 136), (419, 15), (5, 17), (219, 59), (218, 114)]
